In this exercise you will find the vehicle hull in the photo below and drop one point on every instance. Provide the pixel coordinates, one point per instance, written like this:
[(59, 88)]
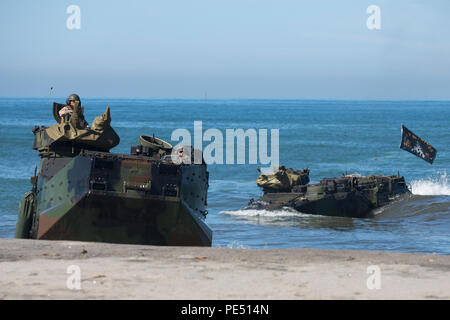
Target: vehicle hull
[(347, 196), (128, 199), (114, 218)]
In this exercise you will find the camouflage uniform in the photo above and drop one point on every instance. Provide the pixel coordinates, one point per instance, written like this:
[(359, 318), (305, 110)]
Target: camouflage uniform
[(283, 180), (74, 114)]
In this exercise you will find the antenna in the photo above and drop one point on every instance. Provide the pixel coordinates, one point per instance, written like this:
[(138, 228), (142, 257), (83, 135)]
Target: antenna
[(50, 95)]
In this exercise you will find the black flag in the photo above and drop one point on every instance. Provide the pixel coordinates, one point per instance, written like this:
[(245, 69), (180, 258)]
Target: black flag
[(417, 146)]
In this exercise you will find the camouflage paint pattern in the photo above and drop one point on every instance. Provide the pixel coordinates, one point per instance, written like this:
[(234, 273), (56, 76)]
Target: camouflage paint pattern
[(105, 197), (85, 193), (347, 196)]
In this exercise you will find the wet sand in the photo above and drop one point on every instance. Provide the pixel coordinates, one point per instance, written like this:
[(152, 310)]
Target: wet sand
[(32, 269)]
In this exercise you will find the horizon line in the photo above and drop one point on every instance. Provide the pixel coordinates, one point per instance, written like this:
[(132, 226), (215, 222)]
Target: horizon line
[(223, 98)]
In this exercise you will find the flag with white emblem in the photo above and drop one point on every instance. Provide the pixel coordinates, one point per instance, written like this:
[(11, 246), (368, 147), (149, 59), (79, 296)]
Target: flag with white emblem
[(417, 146)]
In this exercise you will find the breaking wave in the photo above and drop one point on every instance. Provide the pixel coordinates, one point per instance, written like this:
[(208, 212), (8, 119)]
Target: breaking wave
[(433, 186)]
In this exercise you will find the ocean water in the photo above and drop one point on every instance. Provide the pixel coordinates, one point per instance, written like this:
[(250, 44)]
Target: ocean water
[(330, 137)]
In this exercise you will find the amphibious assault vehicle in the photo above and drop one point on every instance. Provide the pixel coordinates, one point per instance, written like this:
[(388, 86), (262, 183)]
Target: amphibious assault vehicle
[(347, 196), (84, 192)]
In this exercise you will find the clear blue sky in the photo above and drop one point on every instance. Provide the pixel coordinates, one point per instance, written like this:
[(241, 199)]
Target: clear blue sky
[(227, 48)]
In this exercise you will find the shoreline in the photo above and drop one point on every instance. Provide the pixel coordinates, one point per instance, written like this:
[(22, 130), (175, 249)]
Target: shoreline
[(39, 269)]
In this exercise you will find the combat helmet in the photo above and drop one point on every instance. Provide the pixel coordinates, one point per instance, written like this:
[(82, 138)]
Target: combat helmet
[(73, 97)]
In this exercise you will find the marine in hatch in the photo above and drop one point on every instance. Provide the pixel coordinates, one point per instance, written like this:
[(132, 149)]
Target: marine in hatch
[(72, 111)]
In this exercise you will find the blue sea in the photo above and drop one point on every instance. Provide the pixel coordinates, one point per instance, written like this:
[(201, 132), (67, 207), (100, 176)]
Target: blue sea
[(331, 137)]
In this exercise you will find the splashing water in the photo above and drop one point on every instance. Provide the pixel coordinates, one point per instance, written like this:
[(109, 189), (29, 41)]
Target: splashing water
[(433, 186), (237, 245), (285, 212)]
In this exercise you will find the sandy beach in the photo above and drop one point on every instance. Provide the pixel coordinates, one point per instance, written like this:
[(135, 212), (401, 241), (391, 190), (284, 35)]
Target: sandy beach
[(32, 269)]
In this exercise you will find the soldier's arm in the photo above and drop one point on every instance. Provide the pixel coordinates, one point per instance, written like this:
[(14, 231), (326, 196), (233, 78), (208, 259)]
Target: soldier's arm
[(65, 111)]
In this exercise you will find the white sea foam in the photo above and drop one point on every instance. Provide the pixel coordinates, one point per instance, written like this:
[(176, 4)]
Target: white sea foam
[(433, 186), (237, 245), (378, 211), (285, 212)]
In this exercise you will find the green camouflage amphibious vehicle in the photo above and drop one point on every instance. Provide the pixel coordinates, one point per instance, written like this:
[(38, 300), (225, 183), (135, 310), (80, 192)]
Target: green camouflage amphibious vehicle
[(84, 192), (347, 196)]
